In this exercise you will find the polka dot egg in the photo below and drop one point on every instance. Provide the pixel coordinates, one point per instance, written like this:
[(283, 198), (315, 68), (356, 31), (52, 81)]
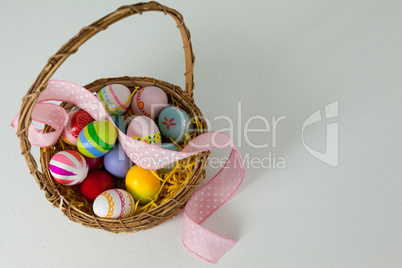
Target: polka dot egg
[(115, 98), (77, 120), (174, 123), (96, 139), (114, 204), (68, 167)]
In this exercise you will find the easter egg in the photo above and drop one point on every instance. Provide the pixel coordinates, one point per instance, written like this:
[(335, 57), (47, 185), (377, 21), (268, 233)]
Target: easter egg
[(77, 120), (174, 123), (119, 122), (149, 101), (68, 167), (96, 139), (115, 98), (94, 163), (114, 204), (96, 183), (142, 184), (144, 129), (171, 166), (116, 162)]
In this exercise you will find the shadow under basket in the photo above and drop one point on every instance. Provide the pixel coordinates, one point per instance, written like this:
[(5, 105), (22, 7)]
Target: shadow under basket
[(145, 220), (55, 192)]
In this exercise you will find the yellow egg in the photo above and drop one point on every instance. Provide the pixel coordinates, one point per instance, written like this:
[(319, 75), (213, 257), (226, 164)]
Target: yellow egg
[(142, 184)]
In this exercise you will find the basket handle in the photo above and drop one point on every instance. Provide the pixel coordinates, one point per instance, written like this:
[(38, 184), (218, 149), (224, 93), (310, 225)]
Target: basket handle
[(102, 24), (54, 62)]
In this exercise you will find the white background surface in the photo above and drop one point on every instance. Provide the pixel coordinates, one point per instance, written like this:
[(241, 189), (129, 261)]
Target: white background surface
[(277, 58)]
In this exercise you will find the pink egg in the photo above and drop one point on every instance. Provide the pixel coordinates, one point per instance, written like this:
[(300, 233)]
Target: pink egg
[(144, 129), (149, 101), (68, 167)]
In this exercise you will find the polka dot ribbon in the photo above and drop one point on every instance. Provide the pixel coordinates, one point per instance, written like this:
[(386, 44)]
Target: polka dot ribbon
[(202, 204)]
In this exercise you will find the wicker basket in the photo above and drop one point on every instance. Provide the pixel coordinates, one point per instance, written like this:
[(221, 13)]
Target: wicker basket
[(185, 99)]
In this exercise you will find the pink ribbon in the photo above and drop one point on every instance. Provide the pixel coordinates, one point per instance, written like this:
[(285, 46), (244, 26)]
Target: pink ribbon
[(202, 204)]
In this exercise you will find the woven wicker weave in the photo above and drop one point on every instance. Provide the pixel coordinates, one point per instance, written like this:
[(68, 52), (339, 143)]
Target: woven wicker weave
[(185, 98)]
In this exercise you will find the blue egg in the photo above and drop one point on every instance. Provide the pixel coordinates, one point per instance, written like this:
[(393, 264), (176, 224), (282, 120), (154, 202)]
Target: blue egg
[(116, 162), (171, 166), (119, 122), (174, 122)]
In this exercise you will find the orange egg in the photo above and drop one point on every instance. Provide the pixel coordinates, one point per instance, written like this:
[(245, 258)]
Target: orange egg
[(142, 184)]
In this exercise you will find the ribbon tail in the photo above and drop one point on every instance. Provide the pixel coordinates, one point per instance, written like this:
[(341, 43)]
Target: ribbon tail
[(203, 243), (198, 240)]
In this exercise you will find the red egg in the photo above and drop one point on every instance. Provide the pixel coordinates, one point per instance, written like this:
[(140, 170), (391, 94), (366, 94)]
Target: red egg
[(94, 163), (78, 119), (96, 183)]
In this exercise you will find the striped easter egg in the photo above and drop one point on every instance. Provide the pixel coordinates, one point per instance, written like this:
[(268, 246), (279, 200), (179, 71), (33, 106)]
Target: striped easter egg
[(96, 139), (115, 98), (114, 204), (68, 167)]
